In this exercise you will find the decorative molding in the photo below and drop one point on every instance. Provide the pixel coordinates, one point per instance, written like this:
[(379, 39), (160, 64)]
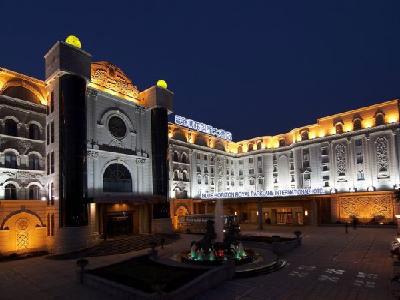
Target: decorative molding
[(113, 78), (382, 157)]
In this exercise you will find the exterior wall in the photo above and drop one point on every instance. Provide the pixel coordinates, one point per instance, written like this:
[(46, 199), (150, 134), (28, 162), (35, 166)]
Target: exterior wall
[(133, 151), (362, 159)]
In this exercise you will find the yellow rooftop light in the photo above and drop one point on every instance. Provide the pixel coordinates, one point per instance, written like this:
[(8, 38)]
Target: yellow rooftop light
[(73, 40), (162, 84)]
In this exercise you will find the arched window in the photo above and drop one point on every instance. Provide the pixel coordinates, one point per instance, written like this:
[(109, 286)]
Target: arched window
[(339, 128), (379, 119), (34, 132), (304, 135), (175, 156), (176, 175), (10, 192), (185, 176), (11, 127), (10, 160), (117, 179), (240, 149), (357, 124), (250, 147), (282, 143), (258, 145), (185, 158), (34, 192), (34, 162)]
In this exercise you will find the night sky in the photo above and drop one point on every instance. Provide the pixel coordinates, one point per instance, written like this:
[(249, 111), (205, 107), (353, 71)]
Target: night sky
[(251, 67)]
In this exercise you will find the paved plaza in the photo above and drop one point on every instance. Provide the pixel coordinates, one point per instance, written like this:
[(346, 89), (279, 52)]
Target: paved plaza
[(329, 265)]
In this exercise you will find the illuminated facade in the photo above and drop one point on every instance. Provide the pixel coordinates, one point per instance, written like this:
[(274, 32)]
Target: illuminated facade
[(82, 154), (351, 157), (86, 155)]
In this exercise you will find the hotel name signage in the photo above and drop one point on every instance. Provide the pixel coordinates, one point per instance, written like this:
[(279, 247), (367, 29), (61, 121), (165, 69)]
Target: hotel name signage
[(182, 121), (263, 194)]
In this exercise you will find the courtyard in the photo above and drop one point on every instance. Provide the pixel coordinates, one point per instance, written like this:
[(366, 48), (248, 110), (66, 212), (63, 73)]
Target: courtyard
[(329, 265)]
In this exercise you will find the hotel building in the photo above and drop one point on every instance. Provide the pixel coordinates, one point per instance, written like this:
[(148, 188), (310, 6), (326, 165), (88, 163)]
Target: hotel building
[(85, 155), (343, 166)]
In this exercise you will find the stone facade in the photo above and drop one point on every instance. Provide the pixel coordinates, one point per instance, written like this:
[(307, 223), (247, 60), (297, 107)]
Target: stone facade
[(35, 213), (355, 151)]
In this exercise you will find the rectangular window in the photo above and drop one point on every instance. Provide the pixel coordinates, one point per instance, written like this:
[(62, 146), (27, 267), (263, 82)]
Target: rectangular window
[(52, 190), (198, 155), (227, 172), (251, 171), (52, 132), (227, 183), (231, 162), (259, 170), (52, 225), (52, 163), (212, 170), (198, 169), (48, 133), (259, 158), (199, 180), (205, 169), (48, 224), (250, 160), (260, 181), (240, 172), (52, 102), (240, 183), (205, 157), (360, 159), (358, 142), (324, 151), (48, 164), (325, 168), (240, 162)]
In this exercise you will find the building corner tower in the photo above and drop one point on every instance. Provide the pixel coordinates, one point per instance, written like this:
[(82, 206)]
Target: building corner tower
[(160, 100), (67, 72)]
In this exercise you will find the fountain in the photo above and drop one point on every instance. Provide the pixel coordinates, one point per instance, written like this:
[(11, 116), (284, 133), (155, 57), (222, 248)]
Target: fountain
[(209, 252), (223, 246)]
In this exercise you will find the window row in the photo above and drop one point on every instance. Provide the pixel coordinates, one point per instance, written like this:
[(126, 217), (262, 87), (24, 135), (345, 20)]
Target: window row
[(11, 161), (11, 129), (11, 192)]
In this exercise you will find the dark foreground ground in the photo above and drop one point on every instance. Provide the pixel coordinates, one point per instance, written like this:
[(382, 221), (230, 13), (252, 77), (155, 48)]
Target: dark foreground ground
[(329, 265)]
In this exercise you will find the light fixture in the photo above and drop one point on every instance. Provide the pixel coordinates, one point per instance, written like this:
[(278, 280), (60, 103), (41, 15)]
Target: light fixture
[(162, 84), (43, 198), (74, 41), (306, 212), (397, 216), (235, 213)]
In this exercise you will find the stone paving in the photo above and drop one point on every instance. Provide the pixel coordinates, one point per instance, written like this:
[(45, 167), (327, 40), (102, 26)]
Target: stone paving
[(329, 265)]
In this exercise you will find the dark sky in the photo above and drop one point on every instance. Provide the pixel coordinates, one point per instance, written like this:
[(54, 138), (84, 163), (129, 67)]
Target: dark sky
[(251, 67)]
